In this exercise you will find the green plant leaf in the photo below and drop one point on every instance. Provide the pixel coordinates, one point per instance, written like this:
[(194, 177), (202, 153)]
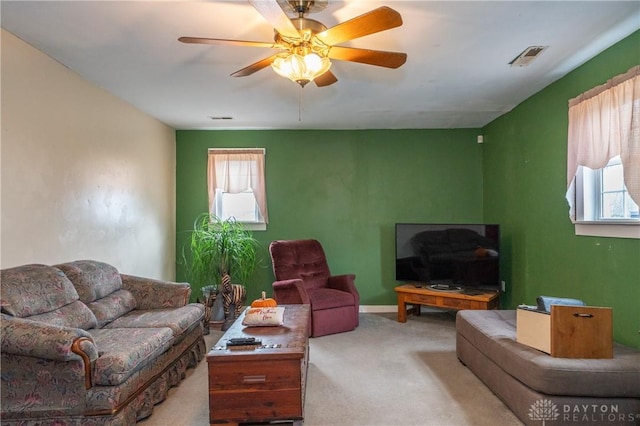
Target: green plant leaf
[(217, 247)]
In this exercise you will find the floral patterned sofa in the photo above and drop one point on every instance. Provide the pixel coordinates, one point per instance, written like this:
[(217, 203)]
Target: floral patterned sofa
[(83, 344)]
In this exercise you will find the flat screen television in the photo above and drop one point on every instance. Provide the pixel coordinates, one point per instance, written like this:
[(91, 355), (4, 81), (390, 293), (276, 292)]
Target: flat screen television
[(449, 255)]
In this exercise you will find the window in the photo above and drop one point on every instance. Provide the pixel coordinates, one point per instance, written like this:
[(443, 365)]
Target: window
[(236, 186), (605, 197), (603, 158), (614, 200)]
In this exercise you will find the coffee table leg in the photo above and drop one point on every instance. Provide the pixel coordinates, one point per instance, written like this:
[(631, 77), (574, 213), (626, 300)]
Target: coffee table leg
[(402, 308)]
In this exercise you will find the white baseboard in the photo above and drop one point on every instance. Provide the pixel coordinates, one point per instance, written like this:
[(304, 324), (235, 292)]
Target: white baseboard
[(383, 309), (378, 308)]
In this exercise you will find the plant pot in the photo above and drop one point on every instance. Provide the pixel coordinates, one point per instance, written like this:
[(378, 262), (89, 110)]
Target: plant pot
[(214, 310)]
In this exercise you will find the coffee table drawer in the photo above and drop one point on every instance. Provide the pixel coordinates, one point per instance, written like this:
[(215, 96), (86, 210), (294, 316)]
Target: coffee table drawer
[(255, 406), (255, 390), (255, 375)]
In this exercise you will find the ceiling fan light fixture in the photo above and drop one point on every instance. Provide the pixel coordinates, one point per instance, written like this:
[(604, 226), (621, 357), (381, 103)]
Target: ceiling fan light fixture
[(306, 45), (301, 68)]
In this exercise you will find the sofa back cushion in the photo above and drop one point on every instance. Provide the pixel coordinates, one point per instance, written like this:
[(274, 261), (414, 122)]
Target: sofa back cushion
[(112, 306), (75, 314), (99, 285), (92, 279), (35, 289)]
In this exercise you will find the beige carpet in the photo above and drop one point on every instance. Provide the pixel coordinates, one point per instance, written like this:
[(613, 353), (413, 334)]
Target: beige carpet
[(383, 373)]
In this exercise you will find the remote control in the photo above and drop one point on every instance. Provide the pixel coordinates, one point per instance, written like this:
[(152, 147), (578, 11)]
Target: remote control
[(243, 341)]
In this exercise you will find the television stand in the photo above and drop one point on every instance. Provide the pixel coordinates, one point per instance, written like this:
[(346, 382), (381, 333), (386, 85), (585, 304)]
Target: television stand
[(410, 294)]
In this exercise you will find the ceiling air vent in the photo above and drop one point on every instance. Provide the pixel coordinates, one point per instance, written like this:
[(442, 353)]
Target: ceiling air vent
[(526, 57)]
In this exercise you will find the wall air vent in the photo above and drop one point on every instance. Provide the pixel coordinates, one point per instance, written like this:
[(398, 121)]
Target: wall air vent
[(526, 57)]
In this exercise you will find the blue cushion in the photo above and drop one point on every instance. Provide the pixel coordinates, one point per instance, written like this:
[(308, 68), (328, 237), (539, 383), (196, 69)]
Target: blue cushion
[(545, 302)]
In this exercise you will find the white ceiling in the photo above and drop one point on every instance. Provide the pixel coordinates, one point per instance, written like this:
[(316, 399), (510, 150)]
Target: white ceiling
[(457, 74)]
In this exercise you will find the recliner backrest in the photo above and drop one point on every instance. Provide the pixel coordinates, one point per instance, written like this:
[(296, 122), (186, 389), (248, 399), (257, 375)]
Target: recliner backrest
[(303, 259)]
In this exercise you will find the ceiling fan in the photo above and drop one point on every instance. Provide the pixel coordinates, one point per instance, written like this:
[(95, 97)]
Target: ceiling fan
[(306, 46)]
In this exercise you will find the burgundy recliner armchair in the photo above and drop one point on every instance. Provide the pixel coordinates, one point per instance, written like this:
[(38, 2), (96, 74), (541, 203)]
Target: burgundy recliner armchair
[(302, 277)]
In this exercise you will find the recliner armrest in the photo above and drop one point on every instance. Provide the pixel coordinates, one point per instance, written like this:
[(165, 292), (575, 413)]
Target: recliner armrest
[(345, 283), (290, 292)]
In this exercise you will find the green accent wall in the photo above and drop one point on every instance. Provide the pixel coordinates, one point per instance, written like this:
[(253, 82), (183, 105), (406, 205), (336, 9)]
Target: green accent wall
[(346, 188), (525, 167)]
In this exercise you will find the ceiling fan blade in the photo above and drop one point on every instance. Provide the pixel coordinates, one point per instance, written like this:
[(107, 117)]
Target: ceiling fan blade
[(263, 63), (273, 13), (380, 19), (325, 79), (200, 40), (366, 56)]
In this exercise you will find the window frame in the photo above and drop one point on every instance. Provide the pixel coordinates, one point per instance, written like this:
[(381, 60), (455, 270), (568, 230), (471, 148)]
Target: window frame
[(257, 184), (614, 228), (589, 197)]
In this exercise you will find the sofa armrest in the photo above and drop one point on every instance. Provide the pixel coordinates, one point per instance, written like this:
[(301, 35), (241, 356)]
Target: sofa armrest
[(156, 294), (51, 388), (290, 292), (40, 341)]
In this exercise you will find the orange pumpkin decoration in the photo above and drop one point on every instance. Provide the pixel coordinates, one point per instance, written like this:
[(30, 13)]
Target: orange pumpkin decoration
[(264, 302)]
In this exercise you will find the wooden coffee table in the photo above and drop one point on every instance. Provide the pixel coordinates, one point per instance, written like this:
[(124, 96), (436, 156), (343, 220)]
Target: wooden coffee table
[(261, 384), (409, 294)]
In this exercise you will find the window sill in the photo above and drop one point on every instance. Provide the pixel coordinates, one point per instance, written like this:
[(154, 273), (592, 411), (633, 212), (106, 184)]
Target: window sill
[(609, 229), (253, 226)]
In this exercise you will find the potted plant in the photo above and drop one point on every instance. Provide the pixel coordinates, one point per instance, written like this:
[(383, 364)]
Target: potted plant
[(218, 251)]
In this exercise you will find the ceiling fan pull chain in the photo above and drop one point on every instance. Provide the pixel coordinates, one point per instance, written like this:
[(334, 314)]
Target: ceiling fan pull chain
[(300, 90)]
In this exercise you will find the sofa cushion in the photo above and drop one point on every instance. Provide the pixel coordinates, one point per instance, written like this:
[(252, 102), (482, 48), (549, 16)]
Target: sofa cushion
[(75, 314), (494, 334), (34, 289), (112, 306), (92, 279), (125, 351), (178, 320), (329, 298)]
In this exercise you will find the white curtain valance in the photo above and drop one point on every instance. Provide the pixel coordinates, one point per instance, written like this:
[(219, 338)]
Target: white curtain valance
[(604, 122)]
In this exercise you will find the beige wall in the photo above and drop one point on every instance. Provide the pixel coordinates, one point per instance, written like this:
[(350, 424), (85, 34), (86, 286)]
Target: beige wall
[(84, 174)]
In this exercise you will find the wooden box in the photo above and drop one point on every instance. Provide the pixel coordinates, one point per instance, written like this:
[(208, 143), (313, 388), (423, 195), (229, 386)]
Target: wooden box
[(264, 383), (568, 331), (533, 328)]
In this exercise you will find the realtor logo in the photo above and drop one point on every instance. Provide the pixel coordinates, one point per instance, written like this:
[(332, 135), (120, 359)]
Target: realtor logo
[(544, 410)]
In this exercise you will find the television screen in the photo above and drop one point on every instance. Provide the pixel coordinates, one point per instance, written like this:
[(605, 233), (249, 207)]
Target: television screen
[(464, 255)]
